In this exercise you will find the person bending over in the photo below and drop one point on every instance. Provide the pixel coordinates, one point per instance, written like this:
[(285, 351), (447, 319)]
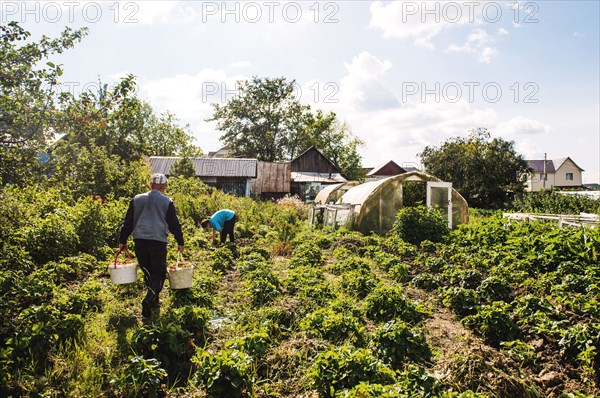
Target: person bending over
[(223, 222)]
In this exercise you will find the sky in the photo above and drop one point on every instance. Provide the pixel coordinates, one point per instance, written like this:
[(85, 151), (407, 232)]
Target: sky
[(403, 74)]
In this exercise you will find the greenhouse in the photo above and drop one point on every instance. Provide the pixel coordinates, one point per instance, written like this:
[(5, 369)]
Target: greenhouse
[(372, 206), (332, 193)]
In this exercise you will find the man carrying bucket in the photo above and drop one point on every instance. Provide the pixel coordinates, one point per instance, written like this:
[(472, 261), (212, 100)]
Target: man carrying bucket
[(150, 217)]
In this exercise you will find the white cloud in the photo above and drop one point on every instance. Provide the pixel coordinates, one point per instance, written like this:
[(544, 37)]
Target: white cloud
[(190, 98), (395, 20), (362, 87), (399, 129), (486, 54), (502, 32), (477, 42), (530, 149), (522, 126)]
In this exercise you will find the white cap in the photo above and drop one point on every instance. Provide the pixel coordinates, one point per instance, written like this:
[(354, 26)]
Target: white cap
[(158, 179)]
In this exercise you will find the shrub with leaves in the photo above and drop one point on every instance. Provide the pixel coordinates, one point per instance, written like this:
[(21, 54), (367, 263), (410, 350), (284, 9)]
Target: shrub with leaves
[(50, 238), (494, 323), (461, 301), (306, 254), (360, 282), (332, 325), (142, 377), (345, 367), (417, 224), (168, 342), (396, 342), (350, 263), (389, 302), (228, 373), (222, 259)]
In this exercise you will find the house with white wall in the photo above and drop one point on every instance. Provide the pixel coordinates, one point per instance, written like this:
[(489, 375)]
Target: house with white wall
[(556, 173)]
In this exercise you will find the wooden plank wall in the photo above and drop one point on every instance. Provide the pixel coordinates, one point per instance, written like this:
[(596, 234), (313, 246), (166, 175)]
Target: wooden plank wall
[(272, 177), (313, 161)]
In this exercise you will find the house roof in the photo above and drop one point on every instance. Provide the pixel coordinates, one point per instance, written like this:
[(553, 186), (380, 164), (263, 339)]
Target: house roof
[(388, 168), (208, 167), (538, 166), (551, 165), (559, 162), (306, 176), (298, 160), (221, 152)]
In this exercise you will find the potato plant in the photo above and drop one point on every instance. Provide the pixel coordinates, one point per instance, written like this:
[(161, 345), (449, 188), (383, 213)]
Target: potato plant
[(492, 309)]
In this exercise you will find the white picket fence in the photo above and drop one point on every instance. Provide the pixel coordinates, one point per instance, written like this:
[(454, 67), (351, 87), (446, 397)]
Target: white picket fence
[(563, 220)]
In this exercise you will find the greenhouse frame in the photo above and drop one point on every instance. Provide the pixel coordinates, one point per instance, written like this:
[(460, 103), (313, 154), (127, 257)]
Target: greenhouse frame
[(372, 206)]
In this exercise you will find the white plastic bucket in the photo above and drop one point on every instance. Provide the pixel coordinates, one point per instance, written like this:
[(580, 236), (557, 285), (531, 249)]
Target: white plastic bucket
[(180, 278), (123, 273)]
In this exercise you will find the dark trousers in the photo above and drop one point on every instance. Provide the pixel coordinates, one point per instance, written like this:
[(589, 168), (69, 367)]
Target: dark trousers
[(228, 230), (152, 258)]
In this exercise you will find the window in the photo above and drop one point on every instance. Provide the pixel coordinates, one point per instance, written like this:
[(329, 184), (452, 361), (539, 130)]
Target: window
[(569, 176), (543, 177)]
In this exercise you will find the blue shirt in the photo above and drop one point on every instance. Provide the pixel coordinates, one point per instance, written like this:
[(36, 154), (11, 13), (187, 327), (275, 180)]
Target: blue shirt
[(218, 219)]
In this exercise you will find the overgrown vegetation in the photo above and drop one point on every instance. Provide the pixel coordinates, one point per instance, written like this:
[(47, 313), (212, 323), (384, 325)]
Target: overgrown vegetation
[(552, 202), (491, 309), (338, 314)]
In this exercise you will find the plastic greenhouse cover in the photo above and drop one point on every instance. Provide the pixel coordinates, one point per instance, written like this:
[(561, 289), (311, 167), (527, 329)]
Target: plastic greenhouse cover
[(360, 193), (325, 192)]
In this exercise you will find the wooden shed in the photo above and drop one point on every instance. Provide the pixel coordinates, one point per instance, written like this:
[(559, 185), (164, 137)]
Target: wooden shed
[(272, 180), (311, 171)]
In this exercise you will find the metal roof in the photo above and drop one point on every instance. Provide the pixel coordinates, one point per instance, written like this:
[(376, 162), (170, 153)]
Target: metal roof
[(538, 166), (317, 177), (208, 167)]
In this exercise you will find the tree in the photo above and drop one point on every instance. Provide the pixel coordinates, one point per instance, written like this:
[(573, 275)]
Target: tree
[(482, 169), (107, 135), (340, 146), (27, 98), (183, 168), (266, 121), (164, 137)]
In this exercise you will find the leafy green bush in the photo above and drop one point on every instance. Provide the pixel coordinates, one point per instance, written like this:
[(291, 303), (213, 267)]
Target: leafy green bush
[(193, 319), (306, 254), (495, 288), (334, 326), (222, 259), (345, 367), (262, 291), (254, 344), (166, 341), (552, 202), (425, 281), (360, 282), (520, 352), (417, 224), (350, 263), (396, 343), (228, 373), (494, 323), (388, 302), (462, 301), (142, 377), (50, 238), (414, 382)]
